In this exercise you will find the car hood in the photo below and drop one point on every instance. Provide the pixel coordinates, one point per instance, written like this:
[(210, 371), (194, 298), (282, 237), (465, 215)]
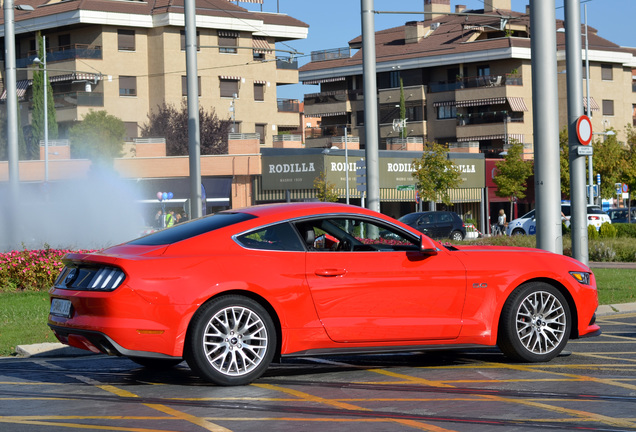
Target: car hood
[(507, 251)]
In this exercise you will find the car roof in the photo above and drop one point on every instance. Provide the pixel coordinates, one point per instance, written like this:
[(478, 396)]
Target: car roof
[(291, 210)]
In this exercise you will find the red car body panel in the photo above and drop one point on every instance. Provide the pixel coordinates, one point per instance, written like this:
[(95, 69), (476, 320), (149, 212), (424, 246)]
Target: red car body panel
[(319, 300)]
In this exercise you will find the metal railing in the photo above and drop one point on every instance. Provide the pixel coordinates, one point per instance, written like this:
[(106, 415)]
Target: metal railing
[(68, 52), (331, 54), (489, 117)]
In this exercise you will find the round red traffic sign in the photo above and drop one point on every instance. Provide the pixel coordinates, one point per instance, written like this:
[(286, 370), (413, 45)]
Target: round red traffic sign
[(584, 130)]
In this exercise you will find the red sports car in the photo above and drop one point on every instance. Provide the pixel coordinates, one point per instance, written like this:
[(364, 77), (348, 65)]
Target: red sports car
[(232, 291)]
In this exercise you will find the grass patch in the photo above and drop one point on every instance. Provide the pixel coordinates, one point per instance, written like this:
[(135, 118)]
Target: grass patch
[(23, 318), (615, 286)]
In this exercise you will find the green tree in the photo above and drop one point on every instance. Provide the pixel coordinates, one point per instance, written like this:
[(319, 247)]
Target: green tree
[(326, 191), (403, 129), (171, 123), (512, 173), (610, 160), (564, 161), (630, 162), (435, 174), (37, 122), (99, 137)]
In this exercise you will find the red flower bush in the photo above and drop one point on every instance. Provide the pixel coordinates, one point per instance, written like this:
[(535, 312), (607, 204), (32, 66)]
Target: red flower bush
[(30, 270)]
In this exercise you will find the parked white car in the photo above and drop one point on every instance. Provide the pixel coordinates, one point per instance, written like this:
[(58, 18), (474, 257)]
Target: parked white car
[(526, 224)]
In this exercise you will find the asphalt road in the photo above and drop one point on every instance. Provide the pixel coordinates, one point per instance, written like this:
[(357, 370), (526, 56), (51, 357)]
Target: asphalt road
[(592, 389)]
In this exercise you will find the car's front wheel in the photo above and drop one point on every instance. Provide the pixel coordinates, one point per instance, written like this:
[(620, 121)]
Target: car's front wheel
[(518, 231), (231, 341), (535, 323), (457, 236)]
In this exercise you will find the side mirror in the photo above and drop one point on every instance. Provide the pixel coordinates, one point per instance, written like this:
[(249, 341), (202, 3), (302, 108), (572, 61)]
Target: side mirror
[(427, 246)]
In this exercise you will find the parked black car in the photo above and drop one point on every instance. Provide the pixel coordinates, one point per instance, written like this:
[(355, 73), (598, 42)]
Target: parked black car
[(620, 215), (436, 224)]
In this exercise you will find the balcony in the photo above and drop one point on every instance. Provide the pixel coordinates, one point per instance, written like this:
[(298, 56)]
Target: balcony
[(286, 63), (490, 81), (489, 117), (331, 54), (288, 105), (69, 52), (332, 97), (76, 99)]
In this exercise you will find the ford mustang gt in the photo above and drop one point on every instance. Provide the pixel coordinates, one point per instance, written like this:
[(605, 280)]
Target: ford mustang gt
[(231, 292)]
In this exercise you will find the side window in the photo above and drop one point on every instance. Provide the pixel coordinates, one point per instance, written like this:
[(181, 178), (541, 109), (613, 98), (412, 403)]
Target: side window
[(445, 217), (281, 237), (353, 235)]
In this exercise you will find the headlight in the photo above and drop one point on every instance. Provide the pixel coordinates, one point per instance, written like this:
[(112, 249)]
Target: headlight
[(581, 277)]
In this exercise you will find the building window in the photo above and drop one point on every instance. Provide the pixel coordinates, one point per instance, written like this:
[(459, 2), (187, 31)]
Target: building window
[(446, 112), (183, 41), (608, 107), (483, 70), (359, 118), (607, 72), (228, 41), (260, 129), (184, 85), (229, 88), (126, 40), (394, 79), (64, 40), (132, 131), (127, 86), (259, 92), (235, 127)]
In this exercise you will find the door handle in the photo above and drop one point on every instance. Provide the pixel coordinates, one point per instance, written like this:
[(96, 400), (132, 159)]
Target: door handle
[(331, 272)]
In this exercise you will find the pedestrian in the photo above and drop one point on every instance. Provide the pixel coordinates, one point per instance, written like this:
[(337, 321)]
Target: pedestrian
[(170, 219), (158, 219), (501, 222)]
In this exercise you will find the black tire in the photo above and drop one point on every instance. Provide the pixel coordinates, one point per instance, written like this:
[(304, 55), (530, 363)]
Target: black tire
[(231, 341), (457, 236), (535, 323), (518, 231), (156, 363)]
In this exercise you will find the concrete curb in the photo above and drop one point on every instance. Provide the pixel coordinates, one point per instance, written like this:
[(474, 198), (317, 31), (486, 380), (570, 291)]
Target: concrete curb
[(49, 349)]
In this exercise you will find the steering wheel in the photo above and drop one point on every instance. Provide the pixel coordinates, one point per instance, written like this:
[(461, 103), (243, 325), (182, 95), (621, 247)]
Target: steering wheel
[(344, 245)]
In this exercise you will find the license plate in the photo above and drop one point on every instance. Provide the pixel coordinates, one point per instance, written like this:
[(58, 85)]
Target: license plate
[(60, 307)]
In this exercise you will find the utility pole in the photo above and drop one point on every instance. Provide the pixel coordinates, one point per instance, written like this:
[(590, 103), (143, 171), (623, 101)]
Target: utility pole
[(578, 218), (546, 126), (194, 138), (370, 105)]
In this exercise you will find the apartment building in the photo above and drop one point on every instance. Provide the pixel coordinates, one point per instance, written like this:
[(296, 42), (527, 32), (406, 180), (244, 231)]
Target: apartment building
[(467, 81), (128, 57)]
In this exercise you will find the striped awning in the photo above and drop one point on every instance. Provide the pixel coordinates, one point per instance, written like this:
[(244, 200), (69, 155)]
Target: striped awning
[(75, 76), (444, 103), (593, 105), (228, 33), (260, 45), (324, 80), (517, 104), (481, 102), (247, 1), (229, 77), (21, 88), (260, 82), (518, 137), (330, 114)]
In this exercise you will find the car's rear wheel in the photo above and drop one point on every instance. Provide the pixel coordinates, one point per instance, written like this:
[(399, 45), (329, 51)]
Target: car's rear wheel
[(535, 323), (457, 236), (231, 341)]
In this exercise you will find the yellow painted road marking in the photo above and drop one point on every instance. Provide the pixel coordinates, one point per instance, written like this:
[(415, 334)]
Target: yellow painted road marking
[(310, 398), (335, 403), (190, 418), (410, 379), (79, 426), (162, 408)]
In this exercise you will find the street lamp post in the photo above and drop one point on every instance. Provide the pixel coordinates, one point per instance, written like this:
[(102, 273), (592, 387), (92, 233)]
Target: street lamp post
[(46, 109), (590, 176)]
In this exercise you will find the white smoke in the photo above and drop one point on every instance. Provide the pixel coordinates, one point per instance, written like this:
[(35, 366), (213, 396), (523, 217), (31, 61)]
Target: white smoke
[(90, 213)]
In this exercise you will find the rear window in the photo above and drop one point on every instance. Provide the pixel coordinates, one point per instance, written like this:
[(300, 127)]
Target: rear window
[(191, 229), (595, 210)]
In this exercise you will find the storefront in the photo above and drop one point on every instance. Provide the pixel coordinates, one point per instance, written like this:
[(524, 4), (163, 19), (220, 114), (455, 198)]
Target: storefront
[(289, 175)]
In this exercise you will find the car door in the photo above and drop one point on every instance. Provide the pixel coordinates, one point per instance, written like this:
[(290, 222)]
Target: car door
[(443, 224), (383, 294)]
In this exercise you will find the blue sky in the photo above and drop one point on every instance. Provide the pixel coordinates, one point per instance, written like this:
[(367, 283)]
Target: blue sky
[(333, 23)]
